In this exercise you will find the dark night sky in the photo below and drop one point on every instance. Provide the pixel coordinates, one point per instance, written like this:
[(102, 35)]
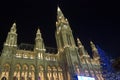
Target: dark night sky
[(94, 20)]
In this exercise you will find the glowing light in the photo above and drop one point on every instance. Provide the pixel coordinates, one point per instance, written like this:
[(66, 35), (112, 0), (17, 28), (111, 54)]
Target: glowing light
[(85, 78)]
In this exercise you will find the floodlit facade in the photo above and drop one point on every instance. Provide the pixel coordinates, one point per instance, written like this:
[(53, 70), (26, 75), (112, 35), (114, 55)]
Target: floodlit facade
[(69, 61)]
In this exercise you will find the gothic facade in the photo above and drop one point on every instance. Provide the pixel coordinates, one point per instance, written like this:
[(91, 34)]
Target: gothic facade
[(69, 61)]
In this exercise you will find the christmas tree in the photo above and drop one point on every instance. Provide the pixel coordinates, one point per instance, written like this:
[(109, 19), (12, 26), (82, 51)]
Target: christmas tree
[(106, 66)]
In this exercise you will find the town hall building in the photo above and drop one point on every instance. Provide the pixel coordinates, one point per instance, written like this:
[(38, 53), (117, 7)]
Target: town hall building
[(68, 62)]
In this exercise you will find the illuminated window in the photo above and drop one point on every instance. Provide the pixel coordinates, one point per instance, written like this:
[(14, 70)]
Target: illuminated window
[(41, 73), (5, 72), (68, 75), (17, 72), (24, 72), (4, 78), (60, 75), (31, 74), (18, 55), (25, 56), (55, 73), (49, 74), (85, 78), (31, 57), (40, 56), (54, 69)]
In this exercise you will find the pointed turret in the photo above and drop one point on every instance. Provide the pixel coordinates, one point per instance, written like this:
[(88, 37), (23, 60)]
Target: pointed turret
[(93, 46), (94, 51), (38, 34), (10, 45), (12, 37), (63, 31), (39, 44), (81, 48), (61, 18), (38, 31), (59, 14), (79, 43), (13, 28)]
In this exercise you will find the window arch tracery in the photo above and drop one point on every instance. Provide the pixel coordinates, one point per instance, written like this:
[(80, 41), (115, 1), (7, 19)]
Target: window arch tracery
[(31, 74), (41, 73), (49, 73), (60, 73), (16, 74), (24, 72), (55, 75), (5, 71)]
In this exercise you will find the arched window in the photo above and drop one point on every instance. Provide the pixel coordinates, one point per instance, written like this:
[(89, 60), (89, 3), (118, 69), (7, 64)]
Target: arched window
[(55, 77), (24, 72), (31, 75), (5, 72), (16, 75), (68, 75), (49, 74), (40, 55), (41, 73), (15, 78), (4, 78), (59, 69), (60, 73)]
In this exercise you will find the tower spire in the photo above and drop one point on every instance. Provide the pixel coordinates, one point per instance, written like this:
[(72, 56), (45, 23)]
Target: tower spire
[(93, 46), (94, 51), (63, 31), (12, 37), (13, 28), (82, 51), (79, 43), (59, 13), (38, 34), (38, 31), (60, 17), (11, 42), (39, 45)]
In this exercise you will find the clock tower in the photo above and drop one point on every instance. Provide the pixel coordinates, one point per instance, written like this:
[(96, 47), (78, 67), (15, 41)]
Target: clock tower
[(66, 45)]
